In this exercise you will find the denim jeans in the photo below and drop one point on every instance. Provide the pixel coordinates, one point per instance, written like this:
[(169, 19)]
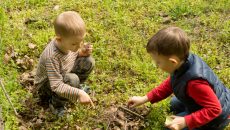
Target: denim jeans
[(179, 109)]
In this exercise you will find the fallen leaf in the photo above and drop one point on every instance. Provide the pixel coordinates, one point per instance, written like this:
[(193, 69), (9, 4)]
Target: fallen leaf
[(19, 61), (22, 128), (25, 76), (56, 7), (121, 115), (10, 53), (6, 59), (98, 129), (65, 128), (77, 127), (118, 122), (166, 20), (39, 121), (32, 46), (9, 49), (25, 63), (116, 128), (162, 14), (29, 21), (111, 110)]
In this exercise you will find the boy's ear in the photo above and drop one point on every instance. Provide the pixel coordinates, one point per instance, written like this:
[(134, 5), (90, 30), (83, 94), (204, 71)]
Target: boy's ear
[(58, 38), (173, 60)]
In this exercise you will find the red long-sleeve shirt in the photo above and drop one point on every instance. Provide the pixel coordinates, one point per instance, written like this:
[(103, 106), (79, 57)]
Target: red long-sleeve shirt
[(202, 94)]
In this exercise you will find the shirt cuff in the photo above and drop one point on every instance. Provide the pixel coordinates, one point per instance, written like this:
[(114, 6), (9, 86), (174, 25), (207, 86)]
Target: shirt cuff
[(150, 97), (188, 120)]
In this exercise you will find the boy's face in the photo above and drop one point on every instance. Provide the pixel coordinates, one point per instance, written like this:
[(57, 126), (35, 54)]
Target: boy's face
[(166, 63), (72, 43)]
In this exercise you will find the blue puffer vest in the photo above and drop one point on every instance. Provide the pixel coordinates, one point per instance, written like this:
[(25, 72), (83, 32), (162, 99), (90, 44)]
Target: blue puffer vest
[(196, 68)]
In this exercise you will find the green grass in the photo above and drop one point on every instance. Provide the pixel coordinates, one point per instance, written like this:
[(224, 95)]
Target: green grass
[(119, 31)]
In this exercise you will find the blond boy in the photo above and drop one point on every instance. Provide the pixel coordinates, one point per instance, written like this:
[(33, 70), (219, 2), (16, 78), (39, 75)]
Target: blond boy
[(65, 64)]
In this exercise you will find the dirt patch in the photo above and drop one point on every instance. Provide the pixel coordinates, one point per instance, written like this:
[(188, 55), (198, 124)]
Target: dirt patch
[(118, 118)]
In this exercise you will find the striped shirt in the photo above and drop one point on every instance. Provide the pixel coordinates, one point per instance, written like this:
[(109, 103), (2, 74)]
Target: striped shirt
[(52, 67)]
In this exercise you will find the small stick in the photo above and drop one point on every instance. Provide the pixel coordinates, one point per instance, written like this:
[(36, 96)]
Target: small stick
[(1, 120), (8, 98), (131, 112), (125, 124), (108, 125)]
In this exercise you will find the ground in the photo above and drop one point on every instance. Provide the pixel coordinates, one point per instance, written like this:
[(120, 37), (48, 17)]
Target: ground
[(119, 31)]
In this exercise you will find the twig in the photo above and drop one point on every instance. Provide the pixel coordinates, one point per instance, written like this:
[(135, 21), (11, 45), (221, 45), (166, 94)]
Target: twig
[(114, 116), (131, 112), (1, 120), (108, 125), (8, 98), (125, 124)]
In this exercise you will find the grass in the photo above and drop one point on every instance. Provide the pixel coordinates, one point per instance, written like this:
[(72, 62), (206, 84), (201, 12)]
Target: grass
[(119, 31)]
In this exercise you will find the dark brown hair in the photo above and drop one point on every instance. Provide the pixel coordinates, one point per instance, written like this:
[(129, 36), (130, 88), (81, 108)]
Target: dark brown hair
[(169, 41)]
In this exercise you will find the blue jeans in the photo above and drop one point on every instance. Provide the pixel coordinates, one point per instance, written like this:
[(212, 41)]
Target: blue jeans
[(179, 109)]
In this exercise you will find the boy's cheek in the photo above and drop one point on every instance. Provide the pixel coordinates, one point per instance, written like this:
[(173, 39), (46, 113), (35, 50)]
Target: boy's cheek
[(165, 69), (74, 50)]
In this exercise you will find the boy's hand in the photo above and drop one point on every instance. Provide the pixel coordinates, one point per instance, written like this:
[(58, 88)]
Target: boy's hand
[(84, 98), (178, 123), (86, 50), (137, 100)]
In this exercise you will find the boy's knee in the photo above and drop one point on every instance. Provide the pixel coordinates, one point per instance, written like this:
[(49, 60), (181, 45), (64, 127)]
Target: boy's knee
[(72, 79), (89, 61), (84, 64), (174, 101), (176, 105)]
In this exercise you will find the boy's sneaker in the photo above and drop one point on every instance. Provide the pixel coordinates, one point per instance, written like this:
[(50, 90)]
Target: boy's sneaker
[(59, 111), (85, 88)]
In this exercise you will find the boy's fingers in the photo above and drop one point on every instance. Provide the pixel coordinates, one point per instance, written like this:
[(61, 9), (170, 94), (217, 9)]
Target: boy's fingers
[(170, 127), (174, 127), (130, 102), (90, 46), (89, 49), (173, 116), (133, 105), (92, 104)]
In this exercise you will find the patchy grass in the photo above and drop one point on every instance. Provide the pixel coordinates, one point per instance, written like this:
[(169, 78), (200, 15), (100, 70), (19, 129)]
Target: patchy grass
[(119, 31)]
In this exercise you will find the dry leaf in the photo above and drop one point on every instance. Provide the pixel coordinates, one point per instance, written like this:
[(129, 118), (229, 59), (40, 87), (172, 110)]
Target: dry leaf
[(19, 61), (56, 7), (39, 121), (166, 20), (77, 127), (65, 128), (98, 129), (121, 115), (116, 128), (32, 46), (6, 59), (25, 63), (118, 122), (22, 128), (29, 21), (9, 54)]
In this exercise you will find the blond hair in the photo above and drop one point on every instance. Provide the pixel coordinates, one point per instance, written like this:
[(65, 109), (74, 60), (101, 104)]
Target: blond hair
[(69, 23)]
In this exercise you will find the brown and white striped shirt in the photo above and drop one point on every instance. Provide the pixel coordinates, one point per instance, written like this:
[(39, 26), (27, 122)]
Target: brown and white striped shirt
[(52, 67)]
